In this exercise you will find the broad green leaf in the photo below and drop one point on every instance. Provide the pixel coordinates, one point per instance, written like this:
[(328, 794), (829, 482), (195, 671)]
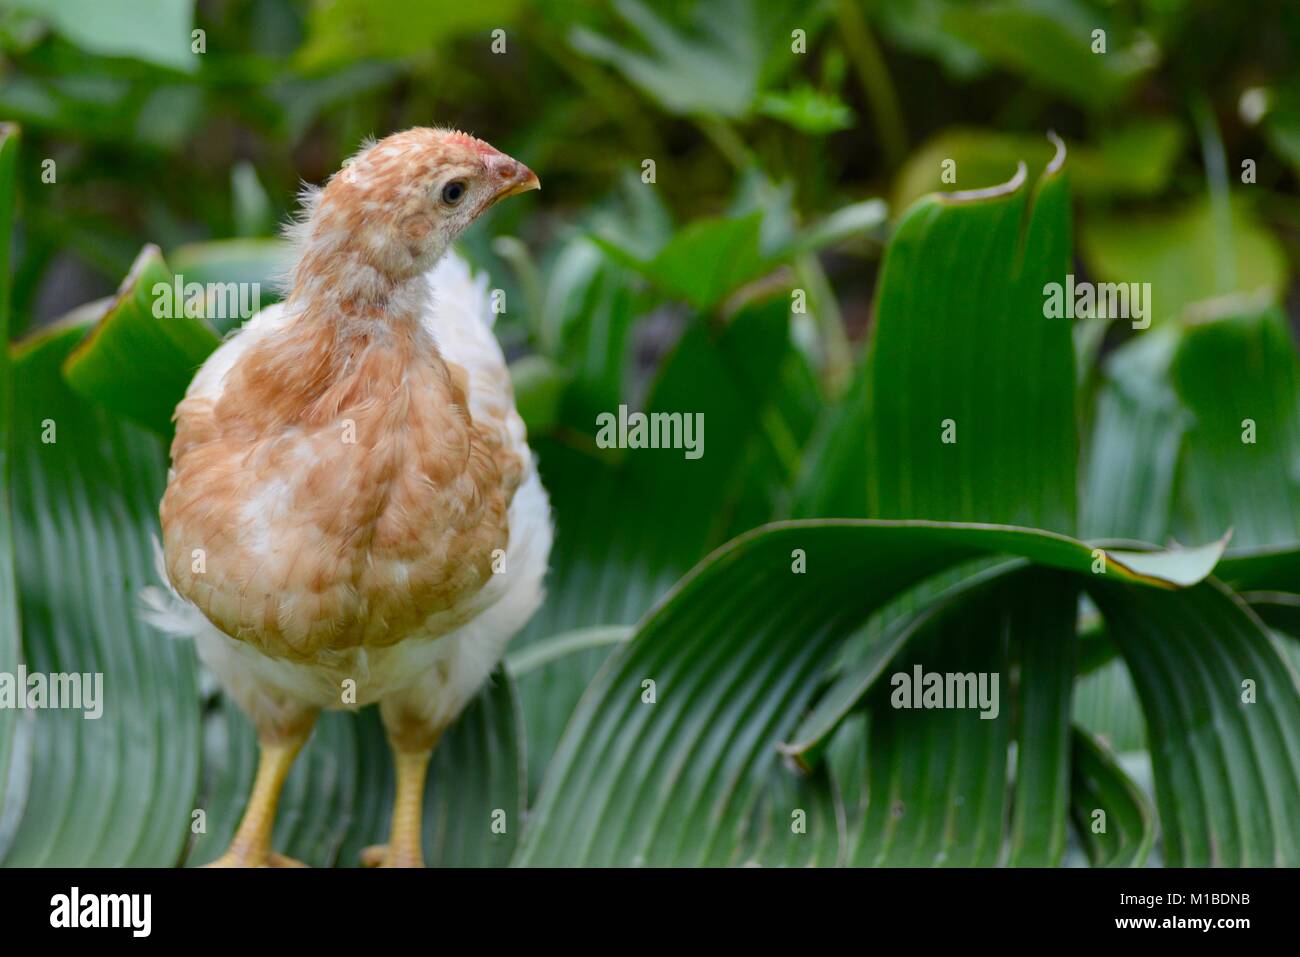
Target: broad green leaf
[(1043, 644), (611, 561), (139, 358), (1123, 836), (256, 266), (1222, 710), (973, 614), (338, 797), (795, 823), (1237, 376), (157, 31), (1106, 705), (1226, 368), (1179, 254), (873, 650), (936, 792), (1262, 568), (964, 409), (118, 790), (1137, 432), (736, 652), (1279, 610), (1004, 377), (929, 432), (145, 348), (10, 638)]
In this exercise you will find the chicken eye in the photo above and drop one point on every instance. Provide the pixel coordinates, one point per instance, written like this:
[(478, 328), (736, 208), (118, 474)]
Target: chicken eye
[(453, 192)]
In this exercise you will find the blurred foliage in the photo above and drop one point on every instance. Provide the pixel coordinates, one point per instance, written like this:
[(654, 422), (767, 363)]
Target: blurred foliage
[(153, 142), (739, 273)]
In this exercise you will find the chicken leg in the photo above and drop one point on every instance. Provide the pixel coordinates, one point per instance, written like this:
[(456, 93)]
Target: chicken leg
[(405, 837), (251, 845)]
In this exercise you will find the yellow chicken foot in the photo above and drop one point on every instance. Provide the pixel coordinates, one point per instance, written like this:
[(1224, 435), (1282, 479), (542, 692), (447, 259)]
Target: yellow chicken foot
[(405, 838), (251, 846)]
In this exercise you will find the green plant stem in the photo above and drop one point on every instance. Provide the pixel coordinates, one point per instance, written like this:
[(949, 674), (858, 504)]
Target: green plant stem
[(837, 353), (1216, 176), (876, 83), (543, 652), (724, 136)]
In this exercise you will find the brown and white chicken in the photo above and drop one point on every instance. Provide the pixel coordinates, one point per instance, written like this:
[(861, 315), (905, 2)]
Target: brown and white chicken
[(353, 514)]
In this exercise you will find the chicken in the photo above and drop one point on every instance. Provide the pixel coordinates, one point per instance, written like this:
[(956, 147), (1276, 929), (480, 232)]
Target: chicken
[(353, 514)]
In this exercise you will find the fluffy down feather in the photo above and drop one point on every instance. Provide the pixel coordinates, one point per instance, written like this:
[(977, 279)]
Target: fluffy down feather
[(427, 670)]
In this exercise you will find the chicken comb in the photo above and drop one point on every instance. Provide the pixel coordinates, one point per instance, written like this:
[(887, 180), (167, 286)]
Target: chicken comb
[(471, 142)]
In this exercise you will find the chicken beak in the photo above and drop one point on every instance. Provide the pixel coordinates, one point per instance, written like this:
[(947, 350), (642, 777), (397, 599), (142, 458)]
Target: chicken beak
[(522, 181), (512, 177)]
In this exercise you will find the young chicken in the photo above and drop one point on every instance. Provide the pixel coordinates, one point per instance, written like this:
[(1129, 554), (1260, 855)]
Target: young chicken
[(353, 514)]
